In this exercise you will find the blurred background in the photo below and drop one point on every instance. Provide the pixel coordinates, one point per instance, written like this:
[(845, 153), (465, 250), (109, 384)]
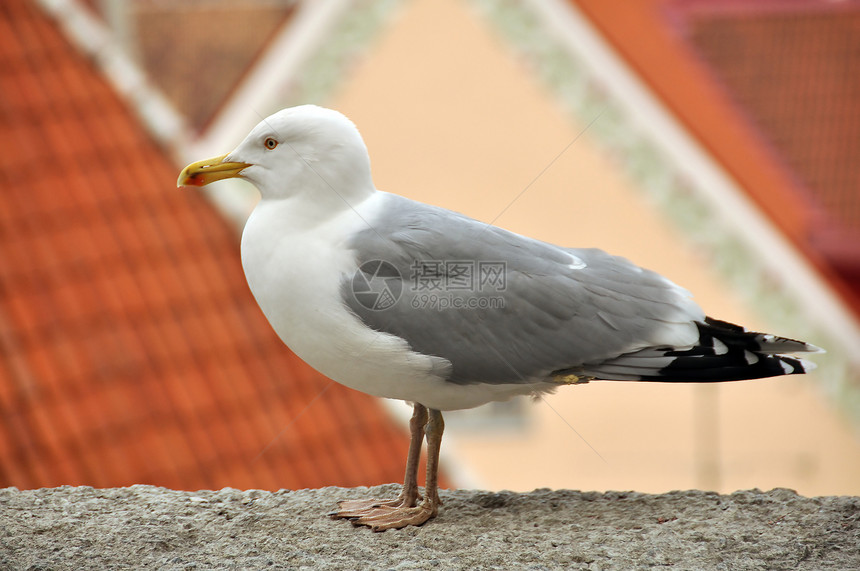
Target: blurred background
[(714, 141)]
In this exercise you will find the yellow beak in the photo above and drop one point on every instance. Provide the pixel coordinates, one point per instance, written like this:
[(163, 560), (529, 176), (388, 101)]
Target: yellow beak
[(203, 172)]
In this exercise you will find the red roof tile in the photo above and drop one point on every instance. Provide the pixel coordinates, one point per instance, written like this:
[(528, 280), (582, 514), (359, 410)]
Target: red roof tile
[(132, 350), (647, 35), (791, 68)]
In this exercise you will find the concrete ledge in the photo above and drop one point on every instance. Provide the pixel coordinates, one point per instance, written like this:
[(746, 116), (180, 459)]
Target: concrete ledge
[(155, 528)]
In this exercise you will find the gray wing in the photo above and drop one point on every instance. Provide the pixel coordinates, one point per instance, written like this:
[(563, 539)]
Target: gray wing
[(503, 308)]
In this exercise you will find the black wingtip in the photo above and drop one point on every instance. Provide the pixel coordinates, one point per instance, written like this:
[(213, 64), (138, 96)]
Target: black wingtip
[(724, 352), (728, 352)]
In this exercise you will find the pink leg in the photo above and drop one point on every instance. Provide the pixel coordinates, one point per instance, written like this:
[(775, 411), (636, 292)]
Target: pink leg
[(380, 515)]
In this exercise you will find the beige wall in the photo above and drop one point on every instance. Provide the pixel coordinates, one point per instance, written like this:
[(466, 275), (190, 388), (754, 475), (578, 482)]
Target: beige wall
[(453, 117)]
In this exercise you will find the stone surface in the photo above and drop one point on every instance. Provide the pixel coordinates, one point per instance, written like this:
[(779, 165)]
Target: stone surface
[(155, 528)]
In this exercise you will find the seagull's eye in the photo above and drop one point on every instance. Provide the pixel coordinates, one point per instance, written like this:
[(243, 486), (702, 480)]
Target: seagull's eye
[(270, 143)]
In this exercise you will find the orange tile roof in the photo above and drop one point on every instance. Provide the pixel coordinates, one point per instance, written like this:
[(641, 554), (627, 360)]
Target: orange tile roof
[(648, 36), (132, 350), (790, 67)]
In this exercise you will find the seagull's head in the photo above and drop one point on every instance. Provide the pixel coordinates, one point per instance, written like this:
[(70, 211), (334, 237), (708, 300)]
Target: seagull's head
[(306, 151)]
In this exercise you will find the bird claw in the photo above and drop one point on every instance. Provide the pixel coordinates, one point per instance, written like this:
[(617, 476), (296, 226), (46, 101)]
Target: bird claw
[(380, 515)]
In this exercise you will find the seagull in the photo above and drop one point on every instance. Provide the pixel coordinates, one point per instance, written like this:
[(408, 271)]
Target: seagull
[(403, 300)]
